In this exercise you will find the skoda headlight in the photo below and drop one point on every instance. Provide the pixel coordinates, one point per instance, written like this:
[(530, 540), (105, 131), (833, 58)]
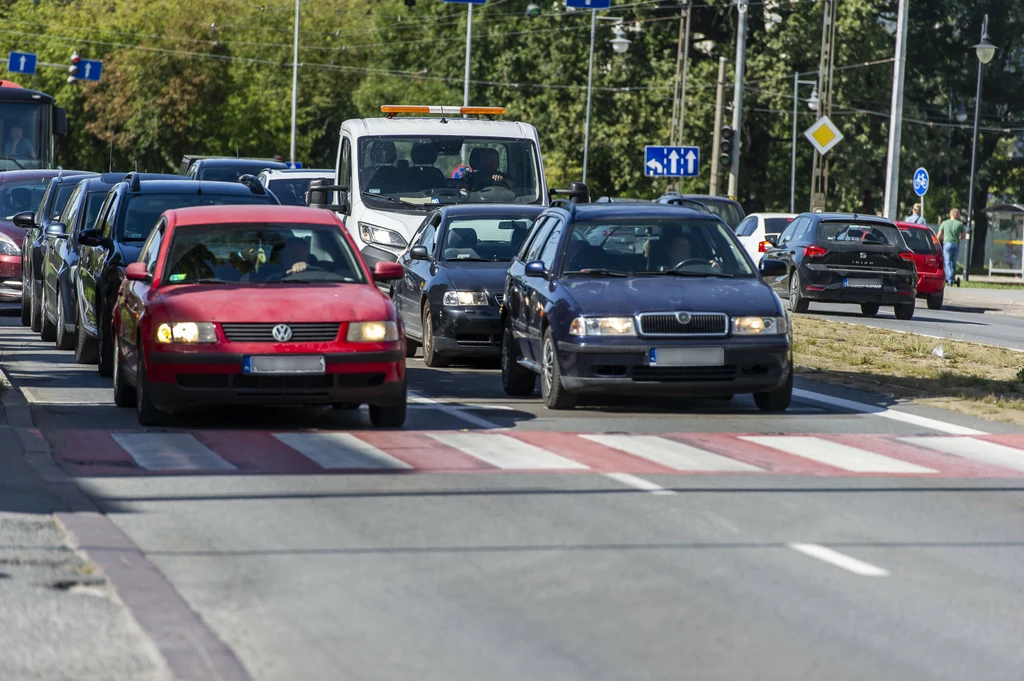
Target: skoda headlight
[(372, 234), (602, 326), (759, 326), (8, 247), (186, 332), (465, 298), (372, 332)]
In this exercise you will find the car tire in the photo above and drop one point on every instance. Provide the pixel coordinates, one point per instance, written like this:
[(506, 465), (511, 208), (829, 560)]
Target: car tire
[(64, 340), (26, 298), (778, 399), (47, 329), (935, 300), (35, 306), (797, 303), (517, 381), (555, 395), (904, 311), (86, 349), (145, 411), (105, 351), (869, 309), (390, 416), (430, 356), (124, 392), (411, 347)]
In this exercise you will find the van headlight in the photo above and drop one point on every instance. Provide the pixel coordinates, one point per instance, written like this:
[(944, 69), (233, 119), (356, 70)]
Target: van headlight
[(602, 326), (372, 332), (186, 332), (759, 326), (372, 234), (465, 298)]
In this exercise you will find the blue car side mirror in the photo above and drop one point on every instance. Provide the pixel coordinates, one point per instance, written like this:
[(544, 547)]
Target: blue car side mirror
[(536, 269), (773, 268)]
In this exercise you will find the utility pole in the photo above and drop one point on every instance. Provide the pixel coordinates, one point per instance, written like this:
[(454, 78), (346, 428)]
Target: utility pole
[(892, 169), (819, 181), (295, 80), (590, 88), (682, 66), (469, 51), (716, 144), (737, 97)]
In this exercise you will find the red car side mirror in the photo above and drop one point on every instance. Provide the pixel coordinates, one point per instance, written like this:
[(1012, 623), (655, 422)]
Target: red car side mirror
[(136, 272), (388, 271)]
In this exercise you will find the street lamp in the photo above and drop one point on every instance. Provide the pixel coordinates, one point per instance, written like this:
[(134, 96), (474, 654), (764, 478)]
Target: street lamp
[(620, 43), (812, 104), (985, 52), (961, 114)]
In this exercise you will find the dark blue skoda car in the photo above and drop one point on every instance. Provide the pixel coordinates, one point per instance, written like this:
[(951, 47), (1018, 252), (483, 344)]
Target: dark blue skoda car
[(641, 299)]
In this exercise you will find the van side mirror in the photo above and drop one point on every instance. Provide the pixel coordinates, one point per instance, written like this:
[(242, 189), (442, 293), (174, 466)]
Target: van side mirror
[(318, 195), (25, 220), (419, 253), (57, 230), (536, 268), (60, 121)]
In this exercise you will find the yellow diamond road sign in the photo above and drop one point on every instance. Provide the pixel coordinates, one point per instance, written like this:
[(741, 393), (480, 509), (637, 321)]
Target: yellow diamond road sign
[(823, 135)]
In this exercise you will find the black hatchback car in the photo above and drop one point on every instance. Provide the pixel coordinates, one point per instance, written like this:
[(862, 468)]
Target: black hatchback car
[(455, 279), (126, 218), (641, 299), (217, 169), (844, 258)]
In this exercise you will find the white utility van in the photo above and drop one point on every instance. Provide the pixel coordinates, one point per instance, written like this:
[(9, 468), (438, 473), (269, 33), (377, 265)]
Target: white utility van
[(393, 171)]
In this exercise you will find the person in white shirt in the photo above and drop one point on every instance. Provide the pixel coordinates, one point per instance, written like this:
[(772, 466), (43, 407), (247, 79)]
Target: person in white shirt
[(915, 217)]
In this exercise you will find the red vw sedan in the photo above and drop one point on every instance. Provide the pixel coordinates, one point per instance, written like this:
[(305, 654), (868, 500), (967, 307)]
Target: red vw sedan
[(256, 305), (931, 275)]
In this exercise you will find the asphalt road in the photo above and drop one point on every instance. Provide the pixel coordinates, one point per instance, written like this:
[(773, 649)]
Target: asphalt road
[(493, 539)]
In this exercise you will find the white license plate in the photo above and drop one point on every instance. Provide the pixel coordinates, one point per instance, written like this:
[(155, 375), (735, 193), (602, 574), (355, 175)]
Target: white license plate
[(686, 357), (278, 364), (862, 283)]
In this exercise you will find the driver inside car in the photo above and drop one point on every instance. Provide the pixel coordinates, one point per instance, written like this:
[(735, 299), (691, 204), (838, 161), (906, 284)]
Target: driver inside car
[(485, 173), (680, 251), (295, 255)]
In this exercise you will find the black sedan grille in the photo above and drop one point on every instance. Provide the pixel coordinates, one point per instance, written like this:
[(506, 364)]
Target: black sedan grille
[(305, 332), (670, 324)]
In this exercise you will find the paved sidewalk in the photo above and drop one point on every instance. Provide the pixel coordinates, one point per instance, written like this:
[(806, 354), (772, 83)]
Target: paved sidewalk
[(1004, 301)]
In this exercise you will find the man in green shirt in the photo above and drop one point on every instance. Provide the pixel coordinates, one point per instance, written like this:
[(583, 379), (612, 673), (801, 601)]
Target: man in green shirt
[(951, 231)]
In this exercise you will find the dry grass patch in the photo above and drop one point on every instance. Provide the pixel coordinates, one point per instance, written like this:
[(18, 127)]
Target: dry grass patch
[(970, 378)]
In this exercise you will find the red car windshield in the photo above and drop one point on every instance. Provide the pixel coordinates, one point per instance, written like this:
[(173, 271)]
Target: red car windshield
[(260, 253)]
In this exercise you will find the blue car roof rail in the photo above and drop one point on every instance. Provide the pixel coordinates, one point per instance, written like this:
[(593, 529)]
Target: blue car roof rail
[(564, 203)]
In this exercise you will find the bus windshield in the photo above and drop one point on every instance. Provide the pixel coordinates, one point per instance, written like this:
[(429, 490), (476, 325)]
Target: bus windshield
[(21, 131)]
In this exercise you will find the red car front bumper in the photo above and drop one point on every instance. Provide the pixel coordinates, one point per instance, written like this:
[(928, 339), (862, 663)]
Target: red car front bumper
[(10, 278)]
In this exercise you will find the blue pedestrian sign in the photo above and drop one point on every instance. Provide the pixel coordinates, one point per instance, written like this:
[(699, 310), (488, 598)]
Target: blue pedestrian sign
[(589, 4), (921, 182), (21, 62), (89, 69), (672, 161)]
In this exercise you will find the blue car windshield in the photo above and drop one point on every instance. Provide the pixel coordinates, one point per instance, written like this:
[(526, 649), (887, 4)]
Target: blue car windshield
[(659, 246)]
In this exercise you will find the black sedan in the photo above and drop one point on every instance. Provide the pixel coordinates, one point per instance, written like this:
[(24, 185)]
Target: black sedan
[(641, 299), (455, 270), (845, 258)]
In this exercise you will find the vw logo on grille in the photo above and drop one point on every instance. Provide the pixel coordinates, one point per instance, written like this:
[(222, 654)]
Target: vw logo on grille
[(282, 333), (683, 317), (863, 256)]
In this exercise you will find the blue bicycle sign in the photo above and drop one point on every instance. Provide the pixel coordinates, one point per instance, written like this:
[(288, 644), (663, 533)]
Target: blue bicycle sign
[(921, 182)]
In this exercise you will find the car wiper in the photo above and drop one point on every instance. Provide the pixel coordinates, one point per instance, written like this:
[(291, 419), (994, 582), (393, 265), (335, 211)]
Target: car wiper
[(600, 272), (385, 197), (683, 273), (207, 280), (470, 260), (12, 160)]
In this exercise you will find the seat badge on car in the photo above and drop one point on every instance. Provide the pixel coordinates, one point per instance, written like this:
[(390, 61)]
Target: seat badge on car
[(683, 317), (282, 333), (863, 256)]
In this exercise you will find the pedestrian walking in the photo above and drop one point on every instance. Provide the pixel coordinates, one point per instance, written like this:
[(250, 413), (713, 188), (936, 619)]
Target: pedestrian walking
[(915, 217), (951, 232)]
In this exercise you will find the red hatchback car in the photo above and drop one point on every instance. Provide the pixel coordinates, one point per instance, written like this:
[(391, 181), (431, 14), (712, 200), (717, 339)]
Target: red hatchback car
[(931, 275), (256, 305)]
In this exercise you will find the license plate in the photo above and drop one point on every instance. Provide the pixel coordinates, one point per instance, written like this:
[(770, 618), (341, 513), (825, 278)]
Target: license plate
[(275, 364), (862, 283), (686, 357)]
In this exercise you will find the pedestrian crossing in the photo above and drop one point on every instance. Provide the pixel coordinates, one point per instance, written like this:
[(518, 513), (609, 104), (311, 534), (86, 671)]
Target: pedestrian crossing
[(215, 452)]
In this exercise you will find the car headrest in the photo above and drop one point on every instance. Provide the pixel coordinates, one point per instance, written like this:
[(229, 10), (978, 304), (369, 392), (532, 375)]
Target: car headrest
[(476, 158), (424, 154), (383, 152), (462, 237)]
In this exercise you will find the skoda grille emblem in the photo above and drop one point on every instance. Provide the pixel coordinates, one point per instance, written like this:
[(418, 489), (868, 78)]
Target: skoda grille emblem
[(282, 333), (683, 317), (863, 256)]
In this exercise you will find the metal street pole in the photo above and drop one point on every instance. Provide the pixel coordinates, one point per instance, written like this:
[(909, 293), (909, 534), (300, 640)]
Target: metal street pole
[(686, 64), (590, 87), (716, 143), (985, 51), (295, 80), (737, 97), (949, 145), (792, 165), (469, 46), (892, 169)]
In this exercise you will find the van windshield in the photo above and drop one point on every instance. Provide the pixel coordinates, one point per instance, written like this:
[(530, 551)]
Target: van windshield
[(420, 171)]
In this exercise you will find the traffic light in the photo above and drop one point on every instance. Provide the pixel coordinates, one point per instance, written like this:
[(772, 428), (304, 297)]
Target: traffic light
[(73, 69), (725, 146)]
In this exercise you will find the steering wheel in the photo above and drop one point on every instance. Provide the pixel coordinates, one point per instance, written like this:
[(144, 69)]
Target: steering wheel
[(298, 275), (496, 193), (445, 192), (692, 261)]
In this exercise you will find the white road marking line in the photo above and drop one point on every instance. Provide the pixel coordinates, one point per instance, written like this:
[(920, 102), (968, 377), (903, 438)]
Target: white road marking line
[(170, 452), (457, 412), (840, 560), (341, 451), (971, 448), (913, 419), (672, 454), (836, 455), (638, 483), (506, 452)]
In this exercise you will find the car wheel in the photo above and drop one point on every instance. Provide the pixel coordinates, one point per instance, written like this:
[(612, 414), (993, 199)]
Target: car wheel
[(64, 340), (36, 319), (555, 395), (105, 363), (26, 298), (86, 349), (904, 311), (430, 356), (797, 303), (411, 347), (391, 416), (47, 329), (517, 381), (146, 412), (935, 300), (124, 393), (869, 309), (778, 399)]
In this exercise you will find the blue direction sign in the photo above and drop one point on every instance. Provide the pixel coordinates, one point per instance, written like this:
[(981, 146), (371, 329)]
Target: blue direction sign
[(921, 181), (589, 4), (89, 69), (21, 62), (294, 165), (672, 161), (469, 2)]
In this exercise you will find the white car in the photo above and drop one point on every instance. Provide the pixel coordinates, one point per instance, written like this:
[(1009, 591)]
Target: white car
[(289, 186), (757, 227)]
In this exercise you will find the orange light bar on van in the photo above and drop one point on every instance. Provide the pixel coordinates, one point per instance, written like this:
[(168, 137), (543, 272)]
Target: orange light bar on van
[(392, 109)]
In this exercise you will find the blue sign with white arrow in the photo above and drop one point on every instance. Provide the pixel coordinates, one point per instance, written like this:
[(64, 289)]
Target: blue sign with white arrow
[(589, 4), (921, 182), (469, 2), (89, 69), (672, 161), (21, 62)]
